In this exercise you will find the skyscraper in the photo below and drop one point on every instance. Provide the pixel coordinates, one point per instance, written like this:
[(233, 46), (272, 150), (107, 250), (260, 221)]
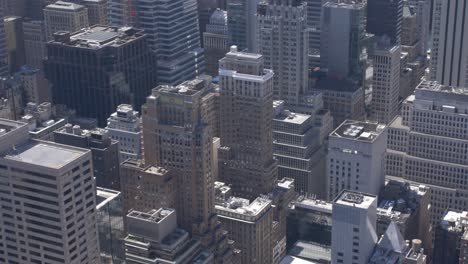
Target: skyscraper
[(314, 21), (3, 47), (356, 158), (283, 40), (385, 80), (64, 16), (246, 113), (48, 201), (342, 33), (353, 230), (427, 144), (215, 41), (449, 54), (15, 42), (97, 11), (177, 137), (384, 18), (95, 70), (241, 23), (34, 43)]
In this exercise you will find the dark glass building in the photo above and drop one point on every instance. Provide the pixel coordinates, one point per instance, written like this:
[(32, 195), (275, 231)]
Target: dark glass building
[(384, 17), (96, 69)]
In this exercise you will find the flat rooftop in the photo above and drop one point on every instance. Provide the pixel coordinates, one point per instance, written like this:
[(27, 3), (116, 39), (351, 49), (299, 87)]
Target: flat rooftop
[(358, 130), (186, 88), (46, 154), (67, 6), (97, 37), (314, 204), (104, 196), (311, 251), (287, 116), (355, 199), (434, 86), (154, 216)]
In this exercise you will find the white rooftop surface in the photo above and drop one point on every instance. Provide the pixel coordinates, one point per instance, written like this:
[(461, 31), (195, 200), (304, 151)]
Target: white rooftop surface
[(293, 260), (293, 118), (46, 154), (363, 201), (313, 204)]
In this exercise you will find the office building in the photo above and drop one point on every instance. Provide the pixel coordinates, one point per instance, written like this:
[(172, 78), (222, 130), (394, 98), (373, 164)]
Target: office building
[(175, 41), (64, 16), (147, 186), (177, 137), (104, 150), (449, 234), (242, 24), (314, 21), (3, 48), (385, 81), (215, 41), (36, 88), (42, 120), (154, 237), (283, 40), (344, 98), (384, 18), (408, 206), (97, 11), (427, 145), (449, 65), (342, 34), (353, 238), (423, 10), (246, 114), (205, 9), (36, 227), (309, 228), (110, 223), (14, 42), (34, 43), (248, 223), (99, 84), (356, 158), (300, 146), (125, 126)]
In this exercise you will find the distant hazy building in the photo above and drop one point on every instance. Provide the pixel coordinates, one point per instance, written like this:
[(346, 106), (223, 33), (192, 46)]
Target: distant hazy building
[(342, 32), (147, 186), (14, 42), (448, 237), (153, 237), (384, 18), (314, 21), (242, 23), (110, 223), (385, 81), (449, 53), (283, 40), (427, 145), (64, 16), (423, 16), (249, 224), (105, 152), (98, 84), (300, 145), (3, 47), (356, 158), (34, 43), (125, 126), (121, 12), (353, 229), (97, 11), (246, 114), (36, 173), (215, 41)]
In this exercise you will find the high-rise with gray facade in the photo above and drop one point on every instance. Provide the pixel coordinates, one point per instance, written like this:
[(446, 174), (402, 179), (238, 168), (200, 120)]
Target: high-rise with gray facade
[(384, 18), (48, 201), (216, 41), (314, 22), (449, 53), (283, 40), (34, 43), (241, 24)]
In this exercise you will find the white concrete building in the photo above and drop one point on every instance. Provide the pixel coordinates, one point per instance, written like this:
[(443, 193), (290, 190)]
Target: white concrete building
[(354, 236), (449, 55), (385, 81), (47, 195), (428, 144), (283, 40), (125, 126), (356, 158), (64, 16)]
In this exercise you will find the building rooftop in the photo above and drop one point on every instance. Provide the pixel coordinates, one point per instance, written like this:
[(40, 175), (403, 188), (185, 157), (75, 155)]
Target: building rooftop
[(46, 154), (355, 199), (454, 221), (311, 251), (241, 208), (104, 196), (65, 6), (240, 55), (288, 259), (287, 116), (313, 204), (358, 130), (434, 86), (153, 216), (346, 5), (186, 88)]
